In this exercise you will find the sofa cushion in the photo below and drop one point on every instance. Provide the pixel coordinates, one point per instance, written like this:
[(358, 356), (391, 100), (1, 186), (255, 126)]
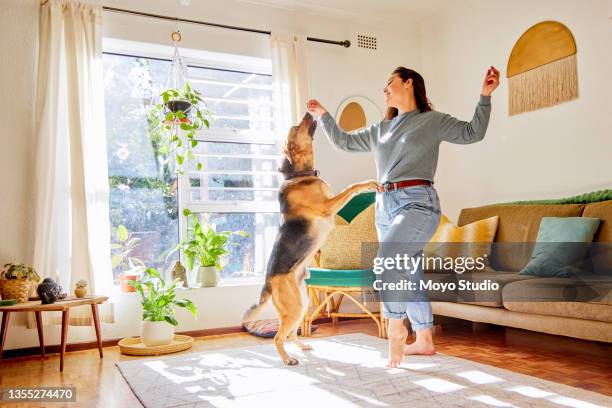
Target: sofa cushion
[(517, 224), (561, 246), (490, 298), (470, 241), (601, 251), (589, 297)]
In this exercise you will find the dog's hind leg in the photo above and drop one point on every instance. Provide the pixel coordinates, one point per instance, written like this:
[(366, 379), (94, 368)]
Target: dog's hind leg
[(286, 298), (293, 336), (304, 309)]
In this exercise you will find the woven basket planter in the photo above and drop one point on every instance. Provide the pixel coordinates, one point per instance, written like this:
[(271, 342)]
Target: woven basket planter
[(17, 289)]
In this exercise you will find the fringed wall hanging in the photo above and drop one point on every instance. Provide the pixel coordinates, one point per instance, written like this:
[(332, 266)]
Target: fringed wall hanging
[(542, 69)]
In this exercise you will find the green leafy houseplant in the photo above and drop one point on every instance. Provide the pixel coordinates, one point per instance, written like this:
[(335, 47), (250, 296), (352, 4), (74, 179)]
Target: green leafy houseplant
[(16, 281), (129, 266), (206, 245), (159, 298), (19, 271), (174, 122), (123, 248)]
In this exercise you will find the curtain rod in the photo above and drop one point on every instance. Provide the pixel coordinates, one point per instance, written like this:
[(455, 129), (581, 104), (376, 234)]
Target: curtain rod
[(345, 43)]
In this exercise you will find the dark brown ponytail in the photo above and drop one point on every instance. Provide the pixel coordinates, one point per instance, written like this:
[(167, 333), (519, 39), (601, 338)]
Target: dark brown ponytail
[(418, 84)]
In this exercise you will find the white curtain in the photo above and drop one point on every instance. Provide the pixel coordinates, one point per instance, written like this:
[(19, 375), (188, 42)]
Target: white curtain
[(72, 238), (290, 76)]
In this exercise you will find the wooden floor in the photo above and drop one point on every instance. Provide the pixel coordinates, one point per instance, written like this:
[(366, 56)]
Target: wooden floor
[(573, 362)]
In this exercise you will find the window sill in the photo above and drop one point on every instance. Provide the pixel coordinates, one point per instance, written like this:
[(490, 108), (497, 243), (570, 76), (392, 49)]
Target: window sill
[(225, 283)]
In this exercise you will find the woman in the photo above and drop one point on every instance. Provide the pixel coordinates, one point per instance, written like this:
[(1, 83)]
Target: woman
[(405, 146)]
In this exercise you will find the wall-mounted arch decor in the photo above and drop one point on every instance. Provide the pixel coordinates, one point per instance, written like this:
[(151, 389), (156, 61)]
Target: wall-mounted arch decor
[(542, 69), (357, 112)]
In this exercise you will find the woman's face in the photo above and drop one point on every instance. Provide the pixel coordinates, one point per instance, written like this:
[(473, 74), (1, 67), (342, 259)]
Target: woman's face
[(397, 91)]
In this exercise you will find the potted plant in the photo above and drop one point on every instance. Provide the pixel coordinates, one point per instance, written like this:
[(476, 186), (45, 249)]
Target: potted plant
[(158, 308), (16, 280), (130, 266), (208, 247), (174, 121)]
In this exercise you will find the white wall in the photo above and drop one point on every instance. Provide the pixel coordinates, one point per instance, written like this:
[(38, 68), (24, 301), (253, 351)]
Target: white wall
[(336, 73), (554, 152)]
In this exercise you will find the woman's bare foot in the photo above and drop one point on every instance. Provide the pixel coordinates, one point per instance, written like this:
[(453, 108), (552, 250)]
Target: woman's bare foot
[(397, 341), (423, 344)]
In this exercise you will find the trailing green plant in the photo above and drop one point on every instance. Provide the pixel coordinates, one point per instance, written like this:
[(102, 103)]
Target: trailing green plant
[(124, 246), (205, 245), (19, 271), (159, 298), (174, 122)]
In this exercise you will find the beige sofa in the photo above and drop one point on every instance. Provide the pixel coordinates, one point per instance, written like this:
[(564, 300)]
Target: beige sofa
[(511, 305)]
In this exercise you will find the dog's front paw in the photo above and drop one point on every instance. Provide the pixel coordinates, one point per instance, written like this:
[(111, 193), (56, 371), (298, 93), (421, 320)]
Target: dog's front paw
[(291, 361), (371, 185)]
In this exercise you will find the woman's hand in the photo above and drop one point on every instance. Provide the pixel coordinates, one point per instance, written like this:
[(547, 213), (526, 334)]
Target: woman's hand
[(491, 81), (315, 108)]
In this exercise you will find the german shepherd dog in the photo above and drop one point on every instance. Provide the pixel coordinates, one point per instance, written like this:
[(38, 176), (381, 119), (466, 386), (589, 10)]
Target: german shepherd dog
[(308, 209)]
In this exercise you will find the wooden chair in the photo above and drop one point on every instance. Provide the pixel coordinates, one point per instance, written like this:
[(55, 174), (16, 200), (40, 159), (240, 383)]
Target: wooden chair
[(328, 288)]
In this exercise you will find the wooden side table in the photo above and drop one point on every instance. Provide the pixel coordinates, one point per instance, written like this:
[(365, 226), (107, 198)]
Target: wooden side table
[(61, 305)]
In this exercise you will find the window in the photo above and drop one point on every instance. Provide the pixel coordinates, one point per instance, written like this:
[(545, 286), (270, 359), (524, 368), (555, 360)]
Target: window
[(238, 185)]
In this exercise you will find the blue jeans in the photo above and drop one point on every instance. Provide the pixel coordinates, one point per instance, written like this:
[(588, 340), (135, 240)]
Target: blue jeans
[(406, 219)]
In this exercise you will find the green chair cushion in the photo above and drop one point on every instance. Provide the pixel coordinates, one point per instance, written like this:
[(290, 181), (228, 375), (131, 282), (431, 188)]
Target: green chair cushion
[(340, 277), (356, 205)]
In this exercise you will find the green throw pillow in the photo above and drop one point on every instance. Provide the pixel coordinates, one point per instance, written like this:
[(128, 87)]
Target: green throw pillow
[(561, 246)]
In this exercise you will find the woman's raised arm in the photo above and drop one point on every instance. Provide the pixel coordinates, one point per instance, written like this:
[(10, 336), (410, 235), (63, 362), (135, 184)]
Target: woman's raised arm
[(351, 142)]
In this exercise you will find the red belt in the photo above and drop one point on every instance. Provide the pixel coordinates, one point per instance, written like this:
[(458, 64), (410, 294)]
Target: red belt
[(402, 184)]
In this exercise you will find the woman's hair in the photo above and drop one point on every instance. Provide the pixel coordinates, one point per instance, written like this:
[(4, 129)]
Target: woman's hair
[(418, 84)]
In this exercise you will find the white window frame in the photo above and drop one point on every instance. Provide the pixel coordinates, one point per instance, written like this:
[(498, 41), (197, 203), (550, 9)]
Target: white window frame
[(228, 136), (209, 60)]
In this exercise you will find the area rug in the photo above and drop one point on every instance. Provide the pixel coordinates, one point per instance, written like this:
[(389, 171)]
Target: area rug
[(340, 371)]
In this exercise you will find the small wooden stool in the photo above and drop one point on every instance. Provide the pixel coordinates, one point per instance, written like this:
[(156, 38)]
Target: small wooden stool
[(64, 306), (327, 283)]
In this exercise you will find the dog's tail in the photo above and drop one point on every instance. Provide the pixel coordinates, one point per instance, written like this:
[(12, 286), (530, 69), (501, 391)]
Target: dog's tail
[(254, 310)]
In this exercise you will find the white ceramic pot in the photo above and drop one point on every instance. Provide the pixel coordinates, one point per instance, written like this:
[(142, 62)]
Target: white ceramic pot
[(156, 333), (207, 276)]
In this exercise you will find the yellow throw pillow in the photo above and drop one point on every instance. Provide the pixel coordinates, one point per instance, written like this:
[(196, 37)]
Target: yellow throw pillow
[(343, 247), (469, 241)]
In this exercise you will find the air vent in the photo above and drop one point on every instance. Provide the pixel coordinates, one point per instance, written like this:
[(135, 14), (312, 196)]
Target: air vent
[(365, 41)]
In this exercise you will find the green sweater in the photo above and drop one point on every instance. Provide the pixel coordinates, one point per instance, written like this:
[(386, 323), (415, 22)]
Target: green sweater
[(406, 147)]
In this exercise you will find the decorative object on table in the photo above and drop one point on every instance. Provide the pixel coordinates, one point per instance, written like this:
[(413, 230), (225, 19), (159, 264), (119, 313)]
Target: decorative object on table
[(80, 289), (208, 247), (16, 280), (134, 346), (542, 68), (180, 273), (357, 112), (175, 119), (130, 266), (158, 304), (8, 302), (50, 292), (268, 328)]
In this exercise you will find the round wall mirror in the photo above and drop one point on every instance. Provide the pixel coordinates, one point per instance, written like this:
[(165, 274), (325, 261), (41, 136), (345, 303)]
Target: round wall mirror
[(357, 112)]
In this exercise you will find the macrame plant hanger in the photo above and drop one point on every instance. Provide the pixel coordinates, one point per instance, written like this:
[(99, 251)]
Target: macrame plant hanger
[(177, 77)]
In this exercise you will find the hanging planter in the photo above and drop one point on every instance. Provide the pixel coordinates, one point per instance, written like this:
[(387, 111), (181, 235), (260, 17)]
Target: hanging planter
[(175, 119), (177, 105)]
